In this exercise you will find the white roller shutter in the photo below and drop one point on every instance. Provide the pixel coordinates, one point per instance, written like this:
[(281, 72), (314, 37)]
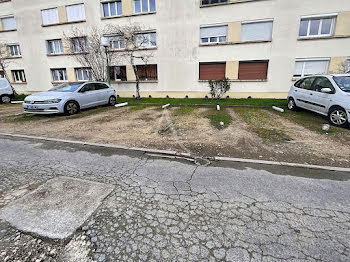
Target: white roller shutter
[(260, 31), (75, 13), (8, 23), (316, 67), (213, 31), (50, 16)]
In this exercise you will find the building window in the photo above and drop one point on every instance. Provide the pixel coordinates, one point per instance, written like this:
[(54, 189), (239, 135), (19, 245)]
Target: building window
[(311, 67), (144, 6), (118, 73), (83, 74), (253, 70), (212, 2), (213, 34), (147, 72), (256, 31), (79, 45), (111, 8), (116, 43), (54, 47), (146, 40), (50, 16), (316, 26), (75, 13), (18, 76), (212, 71), (14, 50), (2, 74), (59, 75), (8, 23), (347, 66)]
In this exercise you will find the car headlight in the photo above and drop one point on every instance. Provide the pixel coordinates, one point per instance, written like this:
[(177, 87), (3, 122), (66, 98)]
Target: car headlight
[(52, 101)]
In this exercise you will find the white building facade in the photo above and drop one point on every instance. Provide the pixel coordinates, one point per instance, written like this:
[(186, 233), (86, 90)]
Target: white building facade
[(261, 46)]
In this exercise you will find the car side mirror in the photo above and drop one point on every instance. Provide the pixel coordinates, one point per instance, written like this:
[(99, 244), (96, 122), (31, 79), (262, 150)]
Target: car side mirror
[(327, 90), (82, 90)]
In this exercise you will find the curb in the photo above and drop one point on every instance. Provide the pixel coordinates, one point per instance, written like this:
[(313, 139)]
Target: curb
[(174, 154), (202, 105)]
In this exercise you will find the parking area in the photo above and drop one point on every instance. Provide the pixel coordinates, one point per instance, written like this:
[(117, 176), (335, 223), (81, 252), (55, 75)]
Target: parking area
[(245, 132)]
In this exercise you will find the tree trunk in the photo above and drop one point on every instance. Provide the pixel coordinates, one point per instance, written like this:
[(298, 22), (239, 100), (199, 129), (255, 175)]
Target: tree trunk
[(137, 79)]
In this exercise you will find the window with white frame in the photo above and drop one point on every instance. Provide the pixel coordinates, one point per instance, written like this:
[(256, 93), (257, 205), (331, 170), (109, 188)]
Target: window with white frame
[(213, 34), (79, 45), (314, 26), (116, 43), (54, 46), (307, 67), (49, 16), (59, 75), (146, 40), (111, 8), (8, 23), (75, 13), (18, 76), (13, 50), (256, 31), (83, 74), (144, 6), (347, 67)]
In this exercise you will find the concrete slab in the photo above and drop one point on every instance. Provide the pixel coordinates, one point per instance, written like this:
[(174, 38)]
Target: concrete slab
[(57, 208)]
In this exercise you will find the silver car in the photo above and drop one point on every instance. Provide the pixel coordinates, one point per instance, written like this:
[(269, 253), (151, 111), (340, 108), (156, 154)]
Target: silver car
[(70, 98), (6, 92)]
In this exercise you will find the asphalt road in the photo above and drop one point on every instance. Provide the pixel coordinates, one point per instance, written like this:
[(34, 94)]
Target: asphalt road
[(163, 210)]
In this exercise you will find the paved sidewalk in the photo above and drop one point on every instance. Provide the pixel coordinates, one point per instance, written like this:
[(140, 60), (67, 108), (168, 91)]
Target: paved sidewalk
[(164, 210)]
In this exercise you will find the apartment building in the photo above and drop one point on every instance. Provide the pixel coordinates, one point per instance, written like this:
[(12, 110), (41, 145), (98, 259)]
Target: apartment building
[(262, 46)]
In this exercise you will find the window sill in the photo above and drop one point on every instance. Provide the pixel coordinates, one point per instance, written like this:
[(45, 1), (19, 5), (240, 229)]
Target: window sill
[(133, 82), (139, 49), (11, 30), (58, 82), (229, 3), (65, 23), (56, 54), (121, 16), (236, 43), (240, 80), (304, 38), (18, 83), (13, 57)]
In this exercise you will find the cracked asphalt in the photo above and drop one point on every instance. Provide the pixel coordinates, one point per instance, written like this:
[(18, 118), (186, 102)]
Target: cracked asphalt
[(166, 210)]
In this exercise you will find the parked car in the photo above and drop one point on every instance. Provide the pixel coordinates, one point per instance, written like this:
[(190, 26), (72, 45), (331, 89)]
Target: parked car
[(6, 92), (327, 95), (70, 98)]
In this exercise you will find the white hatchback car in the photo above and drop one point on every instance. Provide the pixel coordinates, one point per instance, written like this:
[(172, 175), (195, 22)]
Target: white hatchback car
[(69, 98), (6, 92), (328, 95)]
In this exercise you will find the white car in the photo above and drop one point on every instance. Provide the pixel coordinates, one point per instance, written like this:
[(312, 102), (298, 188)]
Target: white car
[(328, 95), (6, 92), (70, 98)]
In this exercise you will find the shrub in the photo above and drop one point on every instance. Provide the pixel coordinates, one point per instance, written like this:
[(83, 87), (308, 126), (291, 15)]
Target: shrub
[(219, 87)]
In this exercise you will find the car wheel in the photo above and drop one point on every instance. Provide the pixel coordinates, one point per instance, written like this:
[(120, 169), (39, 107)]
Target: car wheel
[(112, 101), (5, 99), (291, 104), (71, 108), (337, 116)]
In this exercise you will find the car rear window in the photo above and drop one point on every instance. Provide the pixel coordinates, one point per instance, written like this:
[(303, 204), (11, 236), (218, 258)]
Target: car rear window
[(3, 83)]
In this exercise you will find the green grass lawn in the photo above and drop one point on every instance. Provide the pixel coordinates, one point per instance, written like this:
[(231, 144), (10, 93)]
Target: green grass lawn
[(216, 117), (262, 124), (203, 101)]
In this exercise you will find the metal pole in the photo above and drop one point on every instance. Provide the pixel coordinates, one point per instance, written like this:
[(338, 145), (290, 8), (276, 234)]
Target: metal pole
[(108, 69)]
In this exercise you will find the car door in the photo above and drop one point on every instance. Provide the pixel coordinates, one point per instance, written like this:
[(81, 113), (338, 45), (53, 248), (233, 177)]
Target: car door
[(320, 101), (87, 96), (102, 93), (302, 92)]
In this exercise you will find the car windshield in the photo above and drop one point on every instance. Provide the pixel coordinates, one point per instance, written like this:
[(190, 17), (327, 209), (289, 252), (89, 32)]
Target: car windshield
[(67, 87), (343, 82)]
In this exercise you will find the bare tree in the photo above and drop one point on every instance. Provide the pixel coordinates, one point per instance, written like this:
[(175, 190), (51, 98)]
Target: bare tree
[(342, 68), (135, 41), (4, 62), (86, 49)]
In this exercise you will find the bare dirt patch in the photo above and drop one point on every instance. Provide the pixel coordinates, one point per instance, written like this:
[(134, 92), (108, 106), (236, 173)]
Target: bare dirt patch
[(285, 140)]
